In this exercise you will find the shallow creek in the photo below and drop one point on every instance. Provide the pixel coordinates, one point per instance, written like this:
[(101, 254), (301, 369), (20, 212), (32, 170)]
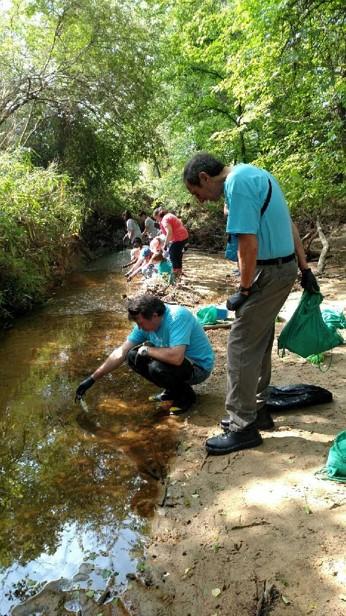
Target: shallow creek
[(77, 484)]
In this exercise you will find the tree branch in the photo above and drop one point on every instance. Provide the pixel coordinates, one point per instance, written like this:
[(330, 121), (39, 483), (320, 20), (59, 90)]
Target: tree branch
[(325, 247), (219, 110), (207, 71), (57, 33)]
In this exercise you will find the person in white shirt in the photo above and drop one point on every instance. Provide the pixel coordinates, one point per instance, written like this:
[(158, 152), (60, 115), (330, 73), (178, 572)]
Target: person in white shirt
[(132, 227), (150, 229)]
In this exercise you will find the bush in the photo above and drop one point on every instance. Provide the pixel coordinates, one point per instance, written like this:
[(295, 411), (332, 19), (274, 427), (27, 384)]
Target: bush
[(39, 211)]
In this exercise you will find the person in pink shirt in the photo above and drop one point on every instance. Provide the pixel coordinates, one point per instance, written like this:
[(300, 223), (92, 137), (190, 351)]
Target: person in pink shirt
[(176, 236)]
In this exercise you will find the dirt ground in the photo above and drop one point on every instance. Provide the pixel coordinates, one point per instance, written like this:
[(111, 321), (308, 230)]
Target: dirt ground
[(256, 532)]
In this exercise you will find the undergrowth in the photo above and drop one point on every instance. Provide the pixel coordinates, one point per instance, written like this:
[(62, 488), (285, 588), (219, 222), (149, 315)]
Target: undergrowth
[(39, 212)]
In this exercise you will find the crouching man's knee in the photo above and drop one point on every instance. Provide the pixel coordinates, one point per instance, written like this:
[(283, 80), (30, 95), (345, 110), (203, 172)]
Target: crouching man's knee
[(158, 368), (139, 363)]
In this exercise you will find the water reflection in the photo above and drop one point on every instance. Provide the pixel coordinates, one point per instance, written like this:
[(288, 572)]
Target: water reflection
[(74, 482), (84, 559)]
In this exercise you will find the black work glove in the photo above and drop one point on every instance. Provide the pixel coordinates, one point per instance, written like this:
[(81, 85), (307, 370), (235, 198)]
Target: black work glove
[(236, 300), (309, 282), (83, 387)]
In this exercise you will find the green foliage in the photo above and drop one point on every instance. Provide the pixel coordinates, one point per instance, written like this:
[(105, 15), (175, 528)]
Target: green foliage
[(77, 85), (118, 95), (259, 81), (64, 57), (39, 212), (77, 82)]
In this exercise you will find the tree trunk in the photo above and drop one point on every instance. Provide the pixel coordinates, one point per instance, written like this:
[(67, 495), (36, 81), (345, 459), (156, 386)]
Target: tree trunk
[(309, 238), (325, 247), (156, 166)]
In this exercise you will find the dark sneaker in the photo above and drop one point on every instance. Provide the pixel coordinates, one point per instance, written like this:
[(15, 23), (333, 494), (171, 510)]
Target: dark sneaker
[(228, 442), (161, 397), (178, 409), (181, 406), (263, 421)]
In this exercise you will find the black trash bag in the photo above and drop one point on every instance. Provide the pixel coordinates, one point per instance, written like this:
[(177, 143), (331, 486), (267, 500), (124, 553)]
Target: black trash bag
[(299, 396)]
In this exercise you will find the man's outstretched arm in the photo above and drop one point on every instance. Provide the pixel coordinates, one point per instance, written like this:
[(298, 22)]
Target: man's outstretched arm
[(113, 361)]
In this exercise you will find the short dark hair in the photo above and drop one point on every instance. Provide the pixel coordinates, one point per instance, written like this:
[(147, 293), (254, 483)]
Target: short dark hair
[(202, 161), (142, 213), (146, 306), (159, 211), (126, 215), (137, 242), (158, 256)]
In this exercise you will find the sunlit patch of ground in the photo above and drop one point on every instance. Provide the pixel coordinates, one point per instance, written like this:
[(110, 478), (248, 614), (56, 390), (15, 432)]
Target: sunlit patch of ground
[(234, 527)]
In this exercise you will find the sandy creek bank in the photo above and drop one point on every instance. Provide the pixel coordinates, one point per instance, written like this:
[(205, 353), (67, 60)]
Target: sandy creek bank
[(251, 533), (256, 531)]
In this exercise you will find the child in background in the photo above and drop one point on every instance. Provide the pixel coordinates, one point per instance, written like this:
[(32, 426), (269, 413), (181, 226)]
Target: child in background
[(163, 266), (157, 245), (135, 252), (143, 265)]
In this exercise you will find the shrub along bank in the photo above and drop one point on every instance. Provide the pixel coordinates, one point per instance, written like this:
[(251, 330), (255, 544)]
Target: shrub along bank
[(40, 211)]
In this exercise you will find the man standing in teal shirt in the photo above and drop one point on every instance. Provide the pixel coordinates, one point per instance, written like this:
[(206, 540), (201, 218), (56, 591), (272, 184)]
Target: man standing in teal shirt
[(267, 246)]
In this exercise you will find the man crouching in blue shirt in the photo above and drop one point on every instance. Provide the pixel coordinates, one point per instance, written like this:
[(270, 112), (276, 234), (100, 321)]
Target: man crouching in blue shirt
[(167, 346)]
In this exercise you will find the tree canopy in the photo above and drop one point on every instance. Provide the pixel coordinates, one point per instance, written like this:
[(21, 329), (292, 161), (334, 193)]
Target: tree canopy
[(261, 81), (76, 82), (118, 95)]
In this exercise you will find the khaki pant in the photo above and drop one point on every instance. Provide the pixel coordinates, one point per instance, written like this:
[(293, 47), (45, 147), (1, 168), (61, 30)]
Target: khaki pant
[(251, 340)]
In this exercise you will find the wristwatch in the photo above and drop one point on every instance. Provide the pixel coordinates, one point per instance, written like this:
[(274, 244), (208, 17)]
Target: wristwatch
[(144, 350), (244, 289)]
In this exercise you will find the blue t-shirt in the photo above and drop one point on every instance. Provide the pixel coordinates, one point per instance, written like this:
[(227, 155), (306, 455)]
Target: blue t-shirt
[(245, 190), (179, 326), (164, 267)]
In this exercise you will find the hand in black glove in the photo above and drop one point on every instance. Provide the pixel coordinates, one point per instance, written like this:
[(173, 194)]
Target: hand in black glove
[(83, 387), (236, 300), (309, 282)]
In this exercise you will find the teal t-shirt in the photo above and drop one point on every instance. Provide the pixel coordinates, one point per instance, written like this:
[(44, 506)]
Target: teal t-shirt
[(179, 326), (164, 267), (245, 190)]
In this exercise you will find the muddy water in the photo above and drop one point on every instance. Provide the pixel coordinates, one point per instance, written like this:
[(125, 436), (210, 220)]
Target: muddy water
[(77, 485)]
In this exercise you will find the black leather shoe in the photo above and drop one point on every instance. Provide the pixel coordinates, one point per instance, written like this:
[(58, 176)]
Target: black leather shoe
[(263, 421), (228, 442)]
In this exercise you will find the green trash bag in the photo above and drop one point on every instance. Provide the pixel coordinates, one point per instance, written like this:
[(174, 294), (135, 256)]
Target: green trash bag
[(207, 315), (335, 468), (306, 333)]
